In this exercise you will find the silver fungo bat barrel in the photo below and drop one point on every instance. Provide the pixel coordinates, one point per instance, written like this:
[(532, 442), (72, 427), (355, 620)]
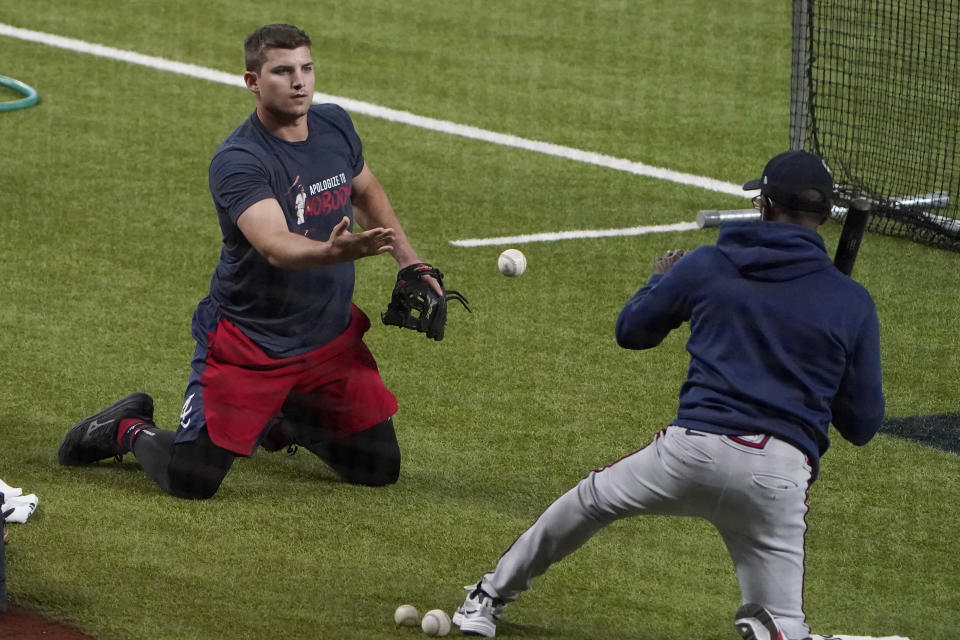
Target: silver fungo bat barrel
[(715, 217), (920, 203)]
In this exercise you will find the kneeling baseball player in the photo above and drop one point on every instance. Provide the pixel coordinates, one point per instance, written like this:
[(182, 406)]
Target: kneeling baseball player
[(280, 357)]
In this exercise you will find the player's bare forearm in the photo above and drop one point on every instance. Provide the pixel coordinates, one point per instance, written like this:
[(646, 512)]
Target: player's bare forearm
[(372, 208), (265, 227), (286, 250), (402, 251), (297, 252)]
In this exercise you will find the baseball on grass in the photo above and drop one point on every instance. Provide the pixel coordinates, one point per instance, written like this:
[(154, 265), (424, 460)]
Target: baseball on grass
[(436, 622), (406, 615), (512, 263)]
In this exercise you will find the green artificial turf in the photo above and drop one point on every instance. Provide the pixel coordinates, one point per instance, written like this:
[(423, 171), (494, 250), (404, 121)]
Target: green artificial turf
[(108, 238)]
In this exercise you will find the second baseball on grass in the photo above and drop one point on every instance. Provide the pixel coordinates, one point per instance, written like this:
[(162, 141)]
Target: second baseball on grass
[(436, 622), (512, 263), (406, 615)]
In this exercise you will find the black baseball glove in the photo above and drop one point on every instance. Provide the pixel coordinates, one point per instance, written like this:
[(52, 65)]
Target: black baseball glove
[(415, 305)]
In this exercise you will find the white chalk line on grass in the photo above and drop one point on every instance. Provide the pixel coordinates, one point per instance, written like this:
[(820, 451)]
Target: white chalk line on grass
[(574, 235), (405, 117)]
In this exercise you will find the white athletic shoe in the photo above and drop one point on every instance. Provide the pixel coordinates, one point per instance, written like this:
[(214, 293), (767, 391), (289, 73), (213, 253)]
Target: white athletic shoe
[(19, 509), (8, 491), (458, 614), (479, 613), (753, 622)]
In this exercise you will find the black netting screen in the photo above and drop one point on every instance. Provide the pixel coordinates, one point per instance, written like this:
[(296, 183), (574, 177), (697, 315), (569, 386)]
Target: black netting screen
[(876, 93)]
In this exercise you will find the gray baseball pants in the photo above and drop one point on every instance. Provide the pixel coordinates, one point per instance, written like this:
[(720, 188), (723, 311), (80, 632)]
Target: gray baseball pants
[(753, 489)]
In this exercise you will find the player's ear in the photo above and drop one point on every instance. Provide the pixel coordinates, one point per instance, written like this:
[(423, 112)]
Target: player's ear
[(765, 211), (252, 80)]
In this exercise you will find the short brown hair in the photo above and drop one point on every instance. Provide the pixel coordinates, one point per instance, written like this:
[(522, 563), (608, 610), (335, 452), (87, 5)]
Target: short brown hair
[(271, 36)]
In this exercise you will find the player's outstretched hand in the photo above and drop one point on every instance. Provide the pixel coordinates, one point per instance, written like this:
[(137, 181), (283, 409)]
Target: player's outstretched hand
[(347, 246), (662, 264)]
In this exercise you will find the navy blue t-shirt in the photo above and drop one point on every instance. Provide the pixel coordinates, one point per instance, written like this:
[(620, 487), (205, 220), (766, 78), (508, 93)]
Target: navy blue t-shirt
[(286, 312)]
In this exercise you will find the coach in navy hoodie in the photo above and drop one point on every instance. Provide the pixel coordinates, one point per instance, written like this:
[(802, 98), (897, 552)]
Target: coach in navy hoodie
[(747, 374), (781, 345)]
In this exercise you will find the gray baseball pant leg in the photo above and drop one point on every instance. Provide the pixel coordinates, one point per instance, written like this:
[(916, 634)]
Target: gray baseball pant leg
[(685, 473), (763, 524)]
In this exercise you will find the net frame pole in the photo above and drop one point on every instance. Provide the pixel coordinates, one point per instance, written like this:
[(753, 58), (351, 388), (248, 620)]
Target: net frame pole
[(799, 112)]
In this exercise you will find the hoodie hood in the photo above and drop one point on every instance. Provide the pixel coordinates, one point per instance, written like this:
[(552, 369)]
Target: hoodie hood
[(773, 251)]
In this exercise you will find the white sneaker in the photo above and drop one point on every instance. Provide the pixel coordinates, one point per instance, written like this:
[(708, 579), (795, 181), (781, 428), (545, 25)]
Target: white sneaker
[(8, 491), (20, 508), (753, 622), (479, 613), (458, 614)]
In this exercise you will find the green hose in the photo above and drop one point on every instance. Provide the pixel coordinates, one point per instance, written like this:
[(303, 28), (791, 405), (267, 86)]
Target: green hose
[(30, 95)]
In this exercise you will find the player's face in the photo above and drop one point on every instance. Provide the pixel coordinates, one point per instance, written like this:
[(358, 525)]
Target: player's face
[(285, 83)]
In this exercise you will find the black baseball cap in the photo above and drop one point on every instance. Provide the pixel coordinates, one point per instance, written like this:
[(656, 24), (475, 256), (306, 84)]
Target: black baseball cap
[(798, 180)]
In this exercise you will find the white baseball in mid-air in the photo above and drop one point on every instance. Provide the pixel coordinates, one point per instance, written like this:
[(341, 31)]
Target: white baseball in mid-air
[(436, 622), (512, 263), (406, 615)]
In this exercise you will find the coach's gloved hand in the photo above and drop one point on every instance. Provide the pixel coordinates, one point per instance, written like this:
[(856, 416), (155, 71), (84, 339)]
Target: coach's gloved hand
[(662, 264)]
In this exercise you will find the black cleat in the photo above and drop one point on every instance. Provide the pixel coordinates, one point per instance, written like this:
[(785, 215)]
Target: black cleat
[(95, 438), (280, 433)]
